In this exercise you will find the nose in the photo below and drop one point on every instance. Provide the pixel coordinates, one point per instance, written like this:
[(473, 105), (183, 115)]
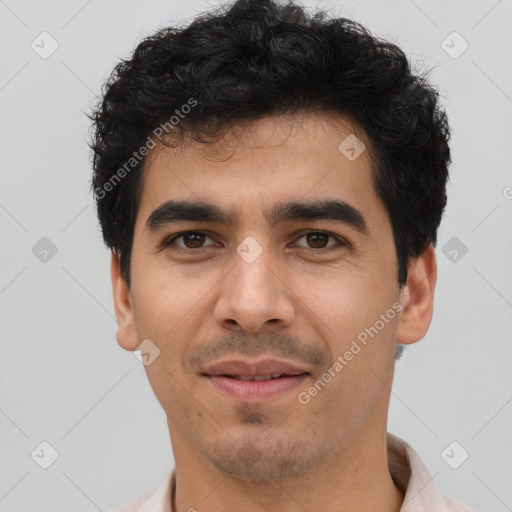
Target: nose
[(254, 297)]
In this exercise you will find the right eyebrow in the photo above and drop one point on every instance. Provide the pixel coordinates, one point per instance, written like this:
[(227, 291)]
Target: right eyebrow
[(174, 211)]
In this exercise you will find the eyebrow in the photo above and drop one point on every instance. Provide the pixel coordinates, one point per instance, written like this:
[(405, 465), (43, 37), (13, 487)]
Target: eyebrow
[(174, 211)]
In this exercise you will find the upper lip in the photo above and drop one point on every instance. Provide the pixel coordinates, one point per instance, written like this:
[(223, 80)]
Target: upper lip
[(240, 368)]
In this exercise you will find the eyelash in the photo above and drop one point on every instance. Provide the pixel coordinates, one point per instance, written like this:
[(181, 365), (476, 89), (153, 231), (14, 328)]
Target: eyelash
[(169, 241)]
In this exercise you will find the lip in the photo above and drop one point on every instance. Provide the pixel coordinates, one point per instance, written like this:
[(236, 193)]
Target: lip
[(241, 368), (221, 376), (254, 391)]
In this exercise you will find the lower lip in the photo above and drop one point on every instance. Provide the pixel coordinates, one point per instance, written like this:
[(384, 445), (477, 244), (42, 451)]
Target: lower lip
[(255, 391)]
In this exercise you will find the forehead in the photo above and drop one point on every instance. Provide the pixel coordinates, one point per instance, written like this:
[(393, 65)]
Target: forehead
[(276, 158)]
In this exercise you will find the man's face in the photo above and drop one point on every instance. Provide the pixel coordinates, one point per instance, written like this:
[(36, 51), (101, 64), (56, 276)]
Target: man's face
[(299, 292)]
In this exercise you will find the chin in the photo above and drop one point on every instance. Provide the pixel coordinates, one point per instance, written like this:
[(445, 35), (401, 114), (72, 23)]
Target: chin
[(262, 459)]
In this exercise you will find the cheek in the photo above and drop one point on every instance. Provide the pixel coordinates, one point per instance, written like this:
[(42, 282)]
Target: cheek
[(354, 384), (358, 326), (170, 309), (348, 304), (164, 297)]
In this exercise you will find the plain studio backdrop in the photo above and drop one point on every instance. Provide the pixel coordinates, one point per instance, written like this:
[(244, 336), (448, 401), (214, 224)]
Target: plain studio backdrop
[(63, 378)]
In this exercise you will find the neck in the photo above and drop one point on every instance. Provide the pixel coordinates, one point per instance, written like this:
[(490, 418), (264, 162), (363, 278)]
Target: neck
[(355, 478)]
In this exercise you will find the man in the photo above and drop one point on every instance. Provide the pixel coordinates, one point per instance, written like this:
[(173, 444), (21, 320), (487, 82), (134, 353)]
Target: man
[(271, 184)]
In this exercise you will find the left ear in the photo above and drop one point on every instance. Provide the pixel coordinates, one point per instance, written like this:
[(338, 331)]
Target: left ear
[(417, 298)]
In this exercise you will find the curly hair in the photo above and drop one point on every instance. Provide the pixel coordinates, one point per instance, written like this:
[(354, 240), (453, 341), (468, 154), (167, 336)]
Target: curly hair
[(254, 58)]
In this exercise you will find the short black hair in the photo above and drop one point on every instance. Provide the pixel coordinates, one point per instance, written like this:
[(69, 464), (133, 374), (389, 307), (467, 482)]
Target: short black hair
[(254, 58)]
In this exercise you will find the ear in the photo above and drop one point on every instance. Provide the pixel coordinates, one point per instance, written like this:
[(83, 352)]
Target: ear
[(126, 334), (417, 298)]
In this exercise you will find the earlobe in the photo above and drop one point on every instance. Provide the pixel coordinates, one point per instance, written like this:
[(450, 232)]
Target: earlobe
[(417, 298), (126, 333)]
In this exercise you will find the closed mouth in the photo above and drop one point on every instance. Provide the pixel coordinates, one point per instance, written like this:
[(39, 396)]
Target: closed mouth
[(260, 378)]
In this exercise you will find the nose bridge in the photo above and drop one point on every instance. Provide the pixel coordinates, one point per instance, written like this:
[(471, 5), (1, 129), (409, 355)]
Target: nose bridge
[(252, 293), (252, 275)]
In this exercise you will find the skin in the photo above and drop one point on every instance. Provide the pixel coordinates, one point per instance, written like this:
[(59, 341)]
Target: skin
[(279, 455)]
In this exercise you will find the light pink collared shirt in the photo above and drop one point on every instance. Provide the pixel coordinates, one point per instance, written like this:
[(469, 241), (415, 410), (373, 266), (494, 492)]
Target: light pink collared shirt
[(407, 470)]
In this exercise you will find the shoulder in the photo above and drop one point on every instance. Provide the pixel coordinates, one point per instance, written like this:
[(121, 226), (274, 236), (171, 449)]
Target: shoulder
[(137, 505), (158, 500), (452, 505)]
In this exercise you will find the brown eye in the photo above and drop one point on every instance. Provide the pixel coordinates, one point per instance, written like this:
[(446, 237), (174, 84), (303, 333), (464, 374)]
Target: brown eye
[(318, 240), (193, 240), (189, 240)]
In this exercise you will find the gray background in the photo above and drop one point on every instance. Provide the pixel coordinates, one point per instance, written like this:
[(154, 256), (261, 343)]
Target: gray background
[(64, 379)]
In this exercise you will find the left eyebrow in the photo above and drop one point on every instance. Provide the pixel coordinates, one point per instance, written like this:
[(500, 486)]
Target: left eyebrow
[(330, 209), (174, 211)]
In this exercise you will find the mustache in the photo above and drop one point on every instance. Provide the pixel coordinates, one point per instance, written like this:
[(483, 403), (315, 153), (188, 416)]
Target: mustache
[(288, 347)]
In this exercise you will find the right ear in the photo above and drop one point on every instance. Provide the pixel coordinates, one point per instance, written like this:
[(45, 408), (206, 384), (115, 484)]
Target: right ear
[(126, 333)]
